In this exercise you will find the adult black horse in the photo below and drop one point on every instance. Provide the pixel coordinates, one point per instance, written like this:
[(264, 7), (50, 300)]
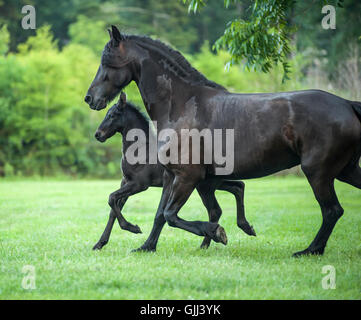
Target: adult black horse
[(272, 131)]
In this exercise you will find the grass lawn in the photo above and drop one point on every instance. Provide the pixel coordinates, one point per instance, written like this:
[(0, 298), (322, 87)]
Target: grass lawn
[(52, 225)]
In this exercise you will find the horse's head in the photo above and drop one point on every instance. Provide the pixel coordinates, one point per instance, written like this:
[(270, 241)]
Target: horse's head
[(116, 71), (114, 120)]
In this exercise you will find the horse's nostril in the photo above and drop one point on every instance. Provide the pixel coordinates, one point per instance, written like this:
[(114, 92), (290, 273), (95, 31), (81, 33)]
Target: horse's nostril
[(88, 98), (97, 134)]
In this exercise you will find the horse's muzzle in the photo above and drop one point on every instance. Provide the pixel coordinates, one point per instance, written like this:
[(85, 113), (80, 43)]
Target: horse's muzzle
[(99, 136)]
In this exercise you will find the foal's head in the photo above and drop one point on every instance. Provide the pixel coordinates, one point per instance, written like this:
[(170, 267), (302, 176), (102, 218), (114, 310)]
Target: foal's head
[(115, 119)]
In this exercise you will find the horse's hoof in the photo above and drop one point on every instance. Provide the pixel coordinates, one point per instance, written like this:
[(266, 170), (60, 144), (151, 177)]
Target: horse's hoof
[(204, 246), (308, 252), (143, 249), (251, 231), (221, 235), (248, 229)]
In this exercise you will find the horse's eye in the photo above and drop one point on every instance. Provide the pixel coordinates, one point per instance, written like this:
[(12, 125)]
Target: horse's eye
[(106, 78)]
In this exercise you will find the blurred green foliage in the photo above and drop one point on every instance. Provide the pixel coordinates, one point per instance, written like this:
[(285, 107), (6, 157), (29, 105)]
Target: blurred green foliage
[(44, 127), (261, 40)]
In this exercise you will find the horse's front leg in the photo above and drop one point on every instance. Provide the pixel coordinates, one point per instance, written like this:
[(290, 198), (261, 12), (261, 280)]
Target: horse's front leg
[(182, 187), (206, 190)]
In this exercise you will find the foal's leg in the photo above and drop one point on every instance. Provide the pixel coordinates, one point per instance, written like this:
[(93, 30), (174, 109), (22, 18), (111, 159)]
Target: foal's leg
[(237, 189), (182, 188), (117, 200), (106, 233), (123, 223), (159, 220), (323, 188), (108, 229), (206, 191)]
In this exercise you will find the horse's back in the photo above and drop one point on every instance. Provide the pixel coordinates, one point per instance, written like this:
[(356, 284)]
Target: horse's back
[(275, 131)]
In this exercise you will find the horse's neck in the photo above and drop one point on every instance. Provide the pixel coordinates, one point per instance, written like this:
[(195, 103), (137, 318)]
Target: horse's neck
[(156, 91)]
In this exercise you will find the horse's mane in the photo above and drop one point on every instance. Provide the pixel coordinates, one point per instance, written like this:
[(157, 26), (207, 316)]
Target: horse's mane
[(172, 60), (175, 61)]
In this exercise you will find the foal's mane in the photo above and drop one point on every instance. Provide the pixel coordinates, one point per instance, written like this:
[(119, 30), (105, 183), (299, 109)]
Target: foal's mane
[(140, 115)]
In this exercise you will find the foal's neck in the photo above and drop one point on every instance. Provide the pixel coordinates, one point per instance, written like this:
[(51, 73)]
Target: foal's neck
[(135, 120)]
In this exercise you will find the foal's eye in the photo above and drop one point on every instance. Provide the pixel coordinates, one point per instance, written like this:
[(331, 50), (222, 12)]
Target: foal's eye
[(106, 78)]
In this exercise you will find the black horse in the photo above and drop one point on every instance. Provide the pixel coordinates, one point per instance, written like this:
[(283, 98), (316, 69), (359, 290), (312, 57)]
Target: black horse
[(273, 131), (123, 117)]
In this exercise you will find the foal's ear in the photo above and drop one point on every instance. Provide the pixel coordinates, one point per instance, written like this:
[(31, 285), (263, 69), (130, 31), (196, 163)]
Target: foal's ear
[(122, 100)]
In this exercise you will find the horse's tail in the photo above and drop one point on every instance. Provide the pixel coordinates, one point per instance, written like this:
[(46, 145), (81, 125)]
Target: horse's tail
[(356, 106)]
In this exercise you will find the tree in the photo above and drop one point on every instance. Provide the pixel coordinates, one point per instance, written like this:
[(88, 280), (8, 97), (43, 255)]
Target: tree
[(263, 39)]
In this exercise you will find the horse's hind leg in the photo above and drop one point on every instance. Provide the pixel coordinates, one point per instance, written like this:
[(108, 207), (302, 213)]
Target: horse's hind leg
[(351, 176), (323, 188), (206, 191), (237, 189)]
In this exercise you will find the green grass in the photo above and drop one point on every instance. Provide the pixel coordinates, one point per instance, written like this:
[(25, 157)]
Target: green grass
[(53, 225)]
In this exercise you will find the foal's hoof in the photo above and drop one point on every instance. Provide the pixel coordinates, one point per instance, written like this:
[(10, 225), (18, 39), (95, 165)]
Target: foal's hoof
[(136, 229), (132, 228), (221, 235), (308, 252)]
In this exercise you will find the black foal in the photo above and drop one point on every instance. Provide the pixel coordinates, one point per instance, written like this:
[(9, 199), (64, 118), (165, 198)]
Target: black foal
[(123, 117)]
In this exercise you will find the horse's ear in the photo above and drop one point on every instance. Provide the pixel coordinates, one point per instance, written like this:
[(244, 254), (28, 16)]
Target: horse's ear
[(110, 34), (116, 36)]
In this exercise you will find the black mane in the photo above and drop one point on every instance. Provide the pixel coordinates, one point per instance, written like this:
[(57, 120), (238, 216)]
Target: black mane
[(136, 110), (172, 59), (178, 63), (139, 114)]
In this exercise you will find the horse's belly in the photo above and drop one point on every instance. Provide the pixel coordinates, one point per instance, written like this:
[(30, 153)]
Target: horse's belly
[(253, 162), (256, 169)]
